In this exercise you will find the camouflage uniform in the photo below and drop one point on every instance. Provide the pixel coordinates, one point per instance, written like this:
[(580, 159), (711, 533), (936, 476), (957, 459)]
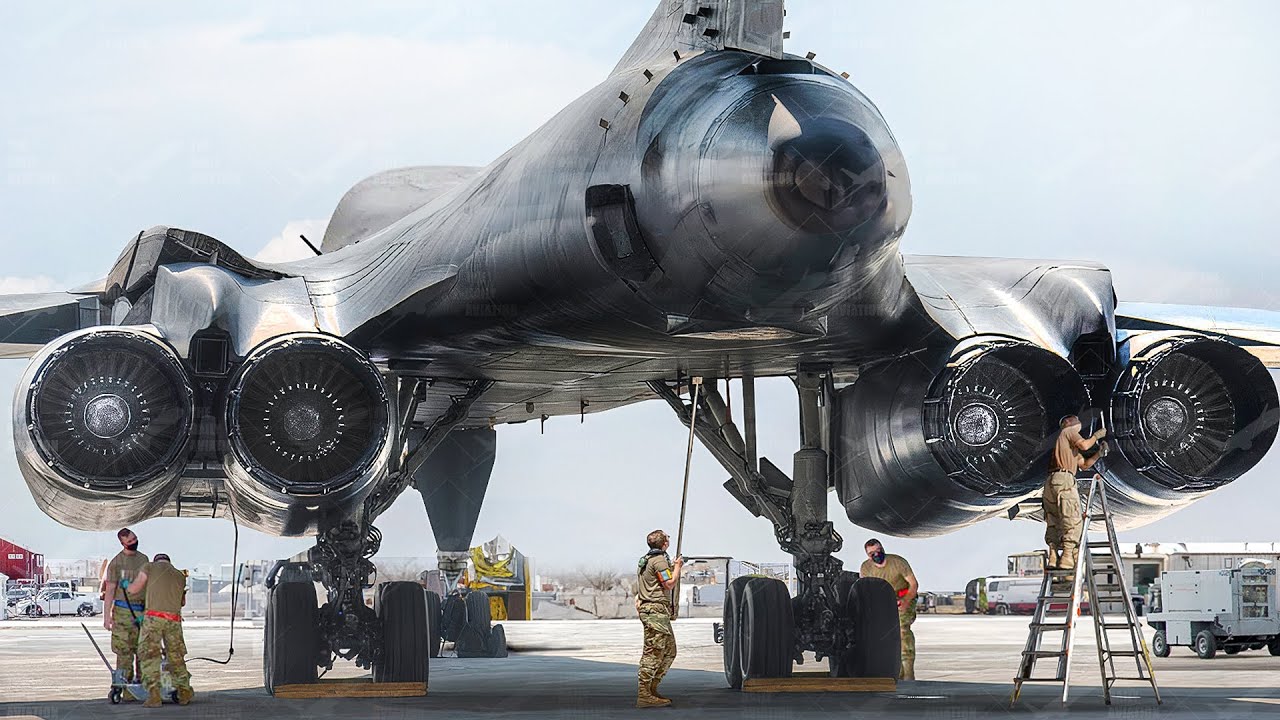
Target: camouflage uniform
[(125, 620), (655, 615), (895, 571), (1061, 499), (1062, 519), (162, 628)]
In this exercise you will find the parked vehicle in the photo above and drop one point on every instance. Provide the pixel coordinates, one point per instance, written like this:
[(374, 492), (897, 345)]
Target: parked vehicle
[(1212, 610), (1012, 595), (1018, 595), (60, 602)]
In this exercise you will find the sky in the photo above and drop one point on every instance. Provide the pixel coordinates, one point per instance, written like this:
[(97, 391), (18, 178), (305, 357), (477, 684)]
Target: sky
[(1138, 134)]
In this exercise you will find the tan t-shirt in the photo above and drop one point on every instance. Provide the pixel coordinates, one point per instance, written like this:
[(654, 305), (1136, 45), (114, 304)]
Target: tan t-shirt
[(125, 567), (654, 569), (1066, 450), (895, 571), (165, 586)]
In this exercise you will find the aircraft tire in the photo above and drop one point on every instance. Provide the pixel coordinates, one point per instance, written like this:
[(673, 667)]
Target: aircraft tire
[(841, 664), (767, 631), (453, 618), (1273, 646), (498, 642), (434, 619), (479, 614), (289, 641), (730, 623), (877, 650), (402, 608)]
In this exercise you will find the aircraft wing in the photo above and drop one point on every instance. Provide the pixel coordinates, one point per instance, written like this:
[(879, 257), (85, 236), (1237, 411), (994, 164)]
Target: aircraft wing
[(1257, 331), (679, 26), (29, 321)]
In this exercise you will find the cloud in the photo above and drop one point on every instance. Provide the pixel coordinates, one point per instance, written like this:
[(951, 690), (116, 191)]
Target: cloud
[(19, 285), (288, 245)]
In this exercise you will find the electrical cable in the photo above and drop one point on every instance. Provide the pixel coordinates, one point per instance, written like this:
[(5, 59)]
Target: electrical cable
[(235, 592)]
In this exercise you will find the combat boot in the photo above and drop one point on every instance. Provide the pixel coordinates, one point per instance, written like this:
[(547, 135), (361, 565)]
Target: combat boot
[(653, 690), (185, 696), (153, 699), (646, 699)]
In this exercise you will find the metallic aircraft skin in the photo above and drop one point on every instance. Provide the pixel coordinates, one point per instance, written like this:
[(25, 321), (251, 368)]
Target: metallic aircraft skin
[(715, 207)]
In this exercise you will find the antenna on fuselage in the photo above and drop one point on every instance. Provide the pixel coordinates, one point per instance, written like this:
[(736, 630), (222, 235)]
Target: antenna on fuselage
[(314, 249)]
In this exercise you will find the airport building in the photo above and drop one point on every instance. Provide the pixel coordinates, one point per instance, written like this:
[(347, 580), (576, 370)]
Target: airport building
[(20, 563)]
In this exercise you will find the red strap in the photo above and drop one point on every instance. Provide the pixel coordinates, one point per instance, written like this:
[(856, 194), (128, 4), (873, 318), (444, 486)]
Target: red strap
[(901, 593), (164, 615)]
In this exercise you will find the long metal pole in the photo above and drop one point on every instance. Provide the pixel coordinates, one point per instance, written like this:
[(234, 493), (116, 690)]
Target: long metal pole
[(688, 461), (684, 495)]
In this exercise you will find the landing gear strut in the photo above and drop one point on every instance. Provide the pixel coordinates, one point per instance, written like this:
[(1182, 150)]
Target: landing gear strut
[(834, 614), (396, 636)]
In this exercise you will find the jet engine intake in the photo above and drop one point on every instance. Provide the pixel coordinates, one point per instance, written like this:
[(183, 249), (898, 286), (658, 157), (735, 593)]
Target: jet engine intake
[(925, 445), (102, 419), (1189, 415), (308, 424)]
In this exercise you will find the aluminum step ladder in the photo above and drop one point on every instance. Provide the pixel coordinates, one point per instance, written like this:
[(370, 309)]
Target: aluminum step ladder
[(1100, 569)]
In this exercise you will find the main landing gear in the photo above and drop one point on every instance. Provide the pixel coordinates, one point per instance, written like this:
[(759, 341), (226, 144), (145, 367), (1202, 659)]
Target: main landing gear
[(849, 621), (396, 637)]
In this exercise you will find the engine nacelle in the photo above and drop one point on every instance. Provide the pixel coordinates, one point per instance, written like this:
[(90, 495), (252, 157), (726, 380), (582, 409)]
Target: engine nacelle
[(102, 418), (309, 429), (924, 446), (1189, 414)]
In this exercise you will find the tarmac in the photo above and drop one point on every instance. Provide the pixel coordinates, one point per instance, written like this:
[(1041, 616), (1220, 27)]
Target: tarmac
[(565, 669)]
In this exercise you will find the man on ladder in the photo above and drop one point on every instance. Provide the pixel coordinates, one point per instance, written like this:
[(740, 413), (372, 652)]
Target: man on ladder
[(1102, 576), (1062, 514)]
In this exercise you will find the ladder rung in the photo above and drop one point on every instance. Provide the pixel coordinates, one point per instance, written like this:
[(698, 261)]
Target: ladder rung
[(1130, 679), (1109, 586), (1099, 544), (1027, 680), (1043, 653), (1122, 653), (1051, 626), (1116, 626)]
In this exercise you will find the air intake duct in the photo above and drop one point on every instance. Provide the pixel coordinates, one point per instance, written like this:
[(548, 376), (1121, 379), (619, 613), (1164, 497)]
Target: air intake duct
[(102, 417), (308, 424)]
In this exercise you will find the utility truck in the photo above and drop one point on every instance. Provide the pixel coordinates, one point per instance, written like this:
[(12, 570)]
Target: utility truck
[(1211, 610)]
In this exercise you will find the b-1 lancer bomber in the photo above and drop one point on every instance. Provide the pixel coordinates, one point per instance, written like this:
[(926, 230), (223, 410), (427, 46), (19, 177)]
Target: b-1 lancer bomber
[(715, 208)]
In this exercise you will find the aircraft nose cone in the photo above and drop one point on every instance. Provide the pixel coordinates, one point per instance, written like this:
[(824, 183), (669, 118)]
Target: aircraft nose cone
[(827, 174)]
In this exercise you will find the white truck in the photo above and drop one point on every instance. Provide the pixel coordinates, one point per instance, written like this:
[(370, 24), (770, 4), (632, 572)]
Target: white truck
[(1211, 610)]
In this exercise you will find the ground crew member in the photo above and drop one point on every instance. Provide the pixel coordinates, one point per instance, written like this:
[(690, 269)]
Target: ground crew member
[(895, 570), (122, 604), (1061, 497), (658, 576), (166, 590)]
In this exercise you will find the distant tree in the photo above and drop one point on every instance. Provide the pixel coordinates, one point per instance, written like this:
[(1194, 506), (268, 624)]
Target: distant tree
[(598, 578)]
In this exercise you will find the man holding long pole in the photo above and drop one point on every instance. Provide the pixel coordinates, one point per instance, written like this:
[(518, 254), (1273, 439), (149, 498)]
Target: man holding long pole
[(653, 601)]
